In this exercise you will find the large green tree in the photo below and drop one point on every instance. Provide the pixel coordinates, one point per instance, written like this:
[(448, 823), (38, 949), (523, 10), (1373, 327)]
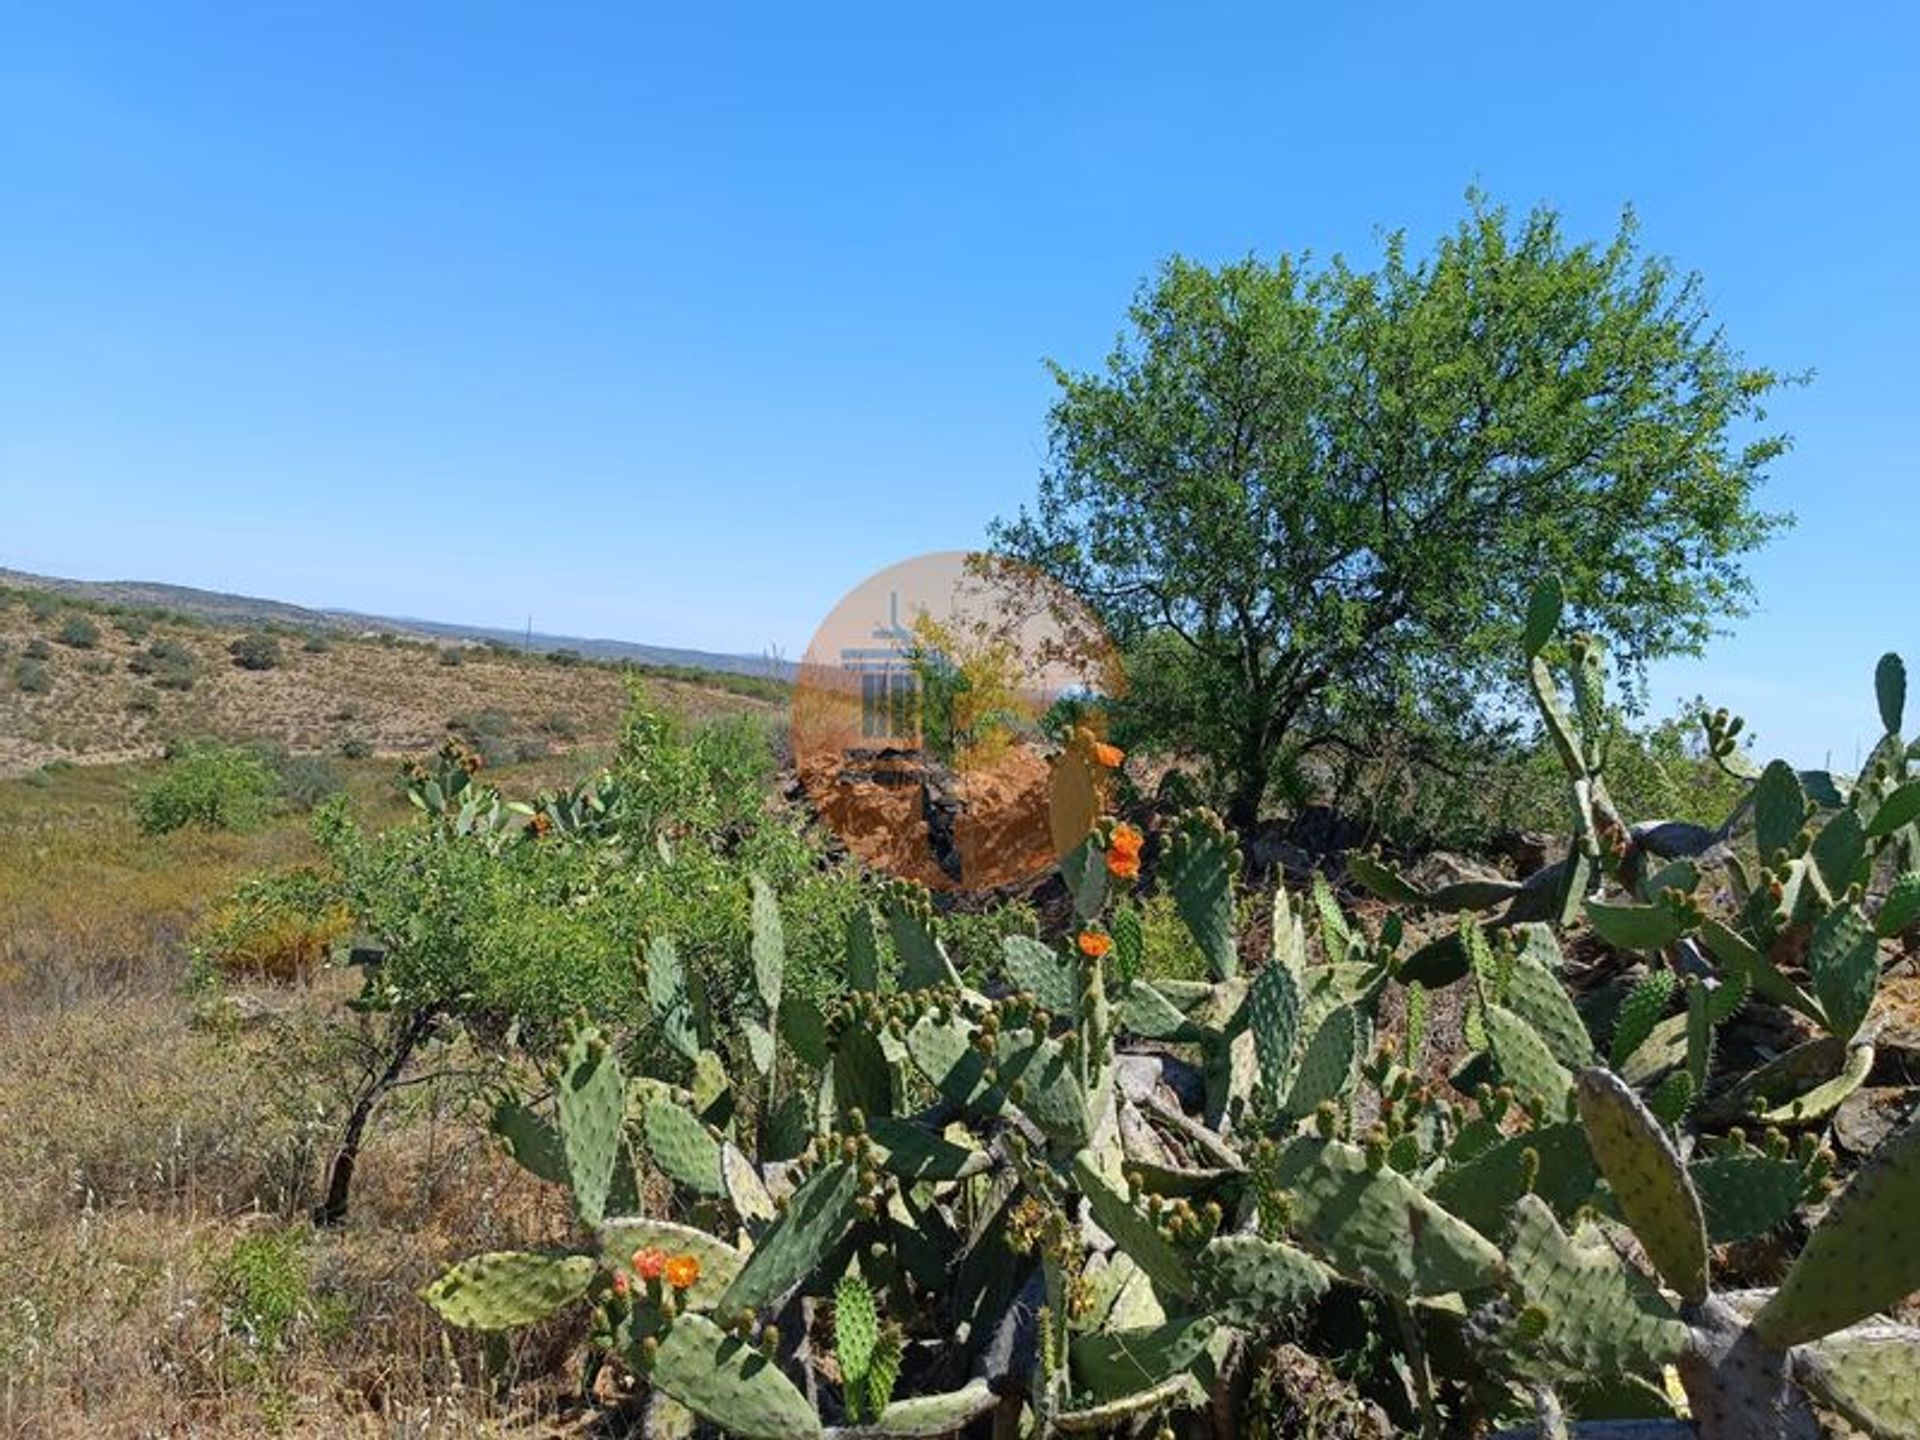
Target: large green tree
[(1311, 500)]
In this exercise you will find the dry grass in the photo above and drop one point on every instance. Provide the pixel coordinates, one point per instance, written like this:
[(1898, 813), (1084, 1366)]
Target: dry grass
[(393, 697), (158, 1156)]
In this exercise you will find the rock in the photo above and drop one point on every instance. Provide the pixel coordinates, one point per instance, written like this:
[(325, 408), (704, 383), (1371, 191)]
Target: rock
[(1868, 1116), (1444, 867), (1528, 851)]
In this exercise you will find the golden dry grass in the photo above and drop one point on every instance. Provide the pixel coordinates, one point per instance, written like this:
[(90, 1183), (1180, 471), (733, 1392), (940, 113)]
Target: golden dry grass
[(394, 697)]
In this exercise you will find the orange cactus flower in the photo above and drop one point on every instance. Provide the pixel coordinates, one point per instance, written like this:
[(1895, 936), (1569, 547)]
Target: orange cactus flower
[(1126, 839), (649, 1263), (1123, 866), (1108, 755), (1094, 944), (682, 1271)]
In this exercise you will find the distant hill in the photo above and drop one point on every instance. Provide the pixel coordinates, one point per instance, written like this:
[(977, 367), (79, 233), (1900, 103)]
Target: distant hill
[(94, 673), (216, 607)]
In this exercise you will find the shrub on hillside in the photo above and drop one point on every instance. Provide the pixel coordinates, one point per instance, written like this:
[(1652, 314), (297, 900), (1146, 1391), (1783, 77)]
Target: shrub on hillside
[(217, 787), (277, 927), (78, 632), (135, 627), (355, 747), (306, 780), (255, 651), (37, 650), (451, 655), (42, 607), (316, 643), (32, 677), (168, 662)]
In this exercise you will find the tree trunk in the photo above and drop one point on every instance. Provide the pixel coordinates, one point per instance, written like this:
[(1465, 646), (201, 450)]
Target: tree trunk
[(333, 1209)]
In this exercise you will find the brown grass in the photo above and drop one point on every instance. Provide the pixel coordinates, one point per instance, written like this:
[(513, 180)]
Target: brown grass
[(395, 697)]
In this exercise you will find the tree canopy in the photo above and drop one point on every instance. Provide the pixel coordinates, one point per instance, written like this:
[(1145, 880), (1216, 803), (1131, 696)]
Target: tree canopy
[(1311, 500)]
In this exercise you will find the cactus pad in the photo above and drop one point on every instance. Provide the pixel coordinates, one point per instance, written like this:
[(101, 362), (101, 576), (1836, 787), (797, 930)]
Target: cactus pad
[(1844, 961), (1862, 1258), (1526, 1062), (592, 1105), (1870, 1374), (1257, 1284), (1043, 972), (1648, 1181), (817, 1216), (719, 1261), (509, 1288), (1376, 1227), (1200, 867), (682, 1148), (727, 1381)]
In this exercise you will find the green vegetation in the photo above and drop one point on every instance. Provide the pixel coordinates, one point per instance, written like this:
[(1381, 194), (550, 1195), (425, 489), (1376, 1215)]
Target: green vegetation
[(77, 632), (256, 651), (214, 786), (1308, 500)]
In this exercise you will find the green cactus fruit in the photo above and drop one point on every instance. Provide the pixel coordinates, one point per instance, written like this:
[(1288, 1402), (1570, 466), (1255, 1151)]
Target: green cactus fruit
[(1862, 1258), (591, 1102), (1527, 1063), (529, 1139), (1041, 971), (720, 1263), (1779, 809), (1843, 958), (1643, 1007), (817, 1218), (1870, 1374), (1136, 1235), (1326, 1065), (1200, 868), (1484, 1189), (727, 1381), (1376, 1227), (683, 1149), (1107, 1365), (1255, 1283), (1594, 1314), (509, 1288), (1648, 1180)]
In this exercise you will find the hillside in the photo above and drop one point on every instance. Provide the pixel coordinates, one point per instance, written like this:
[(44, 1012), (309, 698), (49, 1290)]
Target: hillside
[(216, 607), (81, 684)]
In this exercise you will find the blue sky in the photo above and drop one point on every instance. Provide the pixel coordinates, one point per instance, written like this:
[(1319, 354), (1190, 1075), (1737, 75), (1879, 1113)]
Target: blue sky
[(673, 324)]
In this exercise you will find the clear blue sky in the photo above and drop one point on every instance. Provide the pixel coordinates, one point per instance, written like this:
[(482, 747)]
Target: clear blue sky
[(671, 326)]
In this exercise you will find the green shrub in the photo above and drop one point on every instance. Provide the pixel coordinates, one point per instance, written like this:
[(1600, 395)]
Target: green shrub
[(560, 727), (37, 650), (451, 655), (78, 632), (316, 643), (135, 627), (170, 664), (42, 607), (141, 702), (32, 677), (306, 780), (255, 651), (355, 747), (565, 657), (214, 786)]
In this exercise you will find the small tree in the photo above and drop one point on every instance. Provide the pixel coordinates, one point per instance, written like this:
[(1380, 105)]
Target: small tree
[(213, 786), (79, 633), (255, 651), (1311, 500)]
